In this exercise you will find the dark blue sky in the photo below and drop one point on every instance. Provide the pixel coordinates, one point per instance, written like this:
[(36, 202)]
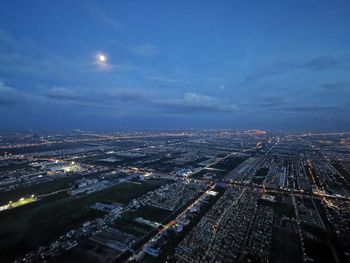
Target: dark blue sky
[(175, 64)]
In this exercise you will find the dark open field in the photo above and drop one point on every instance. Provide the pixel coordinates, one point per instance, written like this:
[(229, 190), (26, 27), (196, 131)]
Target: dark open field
[(12, 167), (260, 175), (286, 247), (128, 224), (229, 163), (316, 244), (42, 188), (224, 166), (37, 189), (150, 213), (25, 229)]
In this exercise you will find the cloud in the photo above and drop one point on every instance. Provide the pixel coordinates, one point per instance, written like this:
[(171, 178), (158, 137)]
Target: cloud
[(193, 103), (311, 109), (195, 99), (109, 67), (34, 62), (61, 93), (327, 62), (103, 98), (128, 99), (279, 106), (264, 102), (21, 57), (316, 64), (141, 49), (166, 79), (6, 39), (146, 50), (8, 95), (270, 101), (106, 18), (266, 72), (335, 86)]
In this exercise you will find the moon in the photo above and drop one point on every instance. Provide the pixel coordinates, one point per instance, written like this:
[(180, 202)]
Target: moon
[(102, 58)]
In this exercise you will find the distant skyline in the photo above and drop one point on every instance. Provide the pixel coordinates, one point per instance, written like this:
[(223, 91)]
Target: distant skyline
[(98, 65)]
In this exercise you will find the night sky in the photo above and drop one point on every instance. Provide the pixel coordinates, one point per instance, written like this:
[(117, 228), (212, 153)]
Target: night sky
[(98, 65)]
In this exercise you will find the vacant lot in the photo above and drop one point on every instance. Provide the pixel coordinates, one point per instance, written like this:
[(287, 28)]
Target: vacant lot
[(230, 163), (150, 213), (286, 247), (223, 167)]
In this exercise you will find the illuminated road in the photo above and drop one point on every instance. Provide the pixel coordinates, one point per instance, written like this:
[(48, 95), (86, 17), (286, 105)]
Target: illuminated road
[(55, 192), (171, 223), (320, 134), (100, 138)]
